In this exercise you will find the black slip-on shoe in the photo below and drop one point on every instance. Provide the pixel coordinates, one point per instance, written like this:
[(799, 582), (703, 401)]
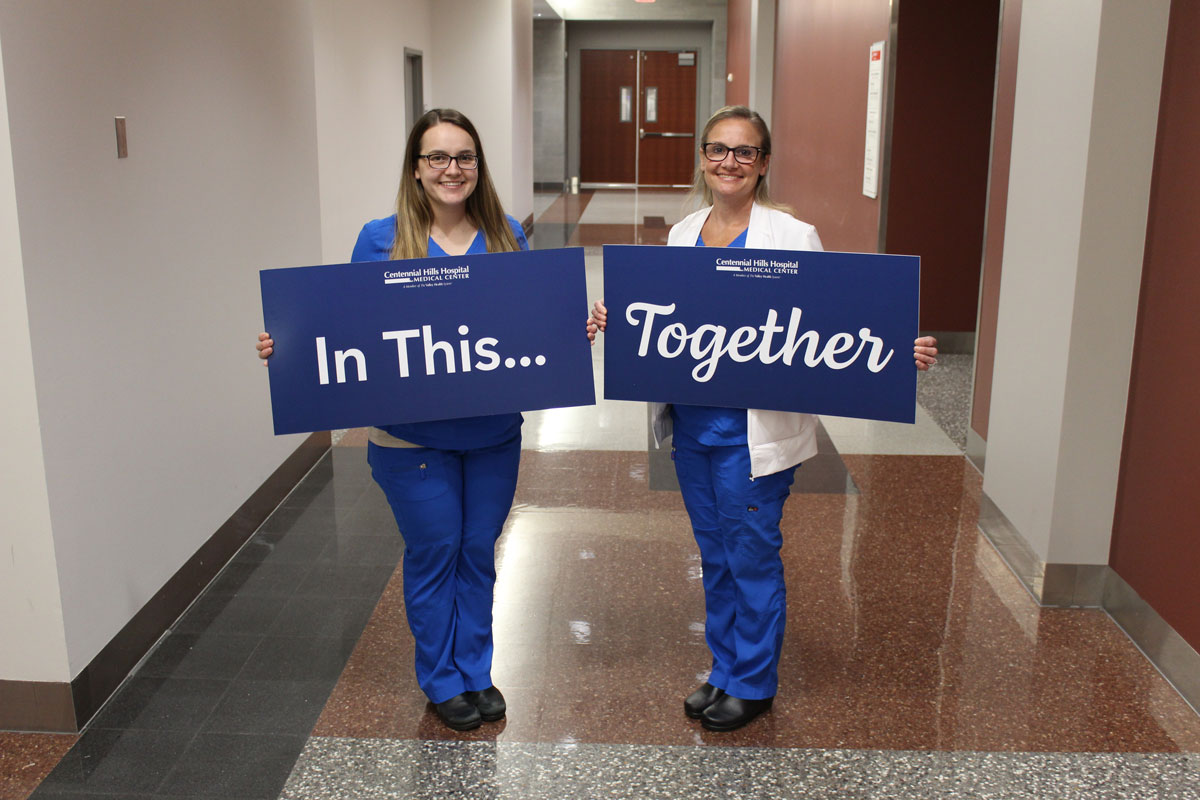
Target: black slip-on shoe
[(730, 713), (701, 699), (458, 713), (489, 702)]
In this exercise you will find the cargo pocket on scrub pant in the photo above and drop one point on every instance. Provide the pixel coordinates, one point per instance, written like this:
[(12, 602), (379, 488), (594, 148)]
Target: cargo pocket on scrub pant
[(410, 474)]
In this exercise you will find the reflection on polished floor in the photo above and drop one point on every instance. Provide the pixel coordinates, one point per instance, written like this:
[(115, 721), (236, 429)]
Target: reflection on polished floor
[(915, 665)]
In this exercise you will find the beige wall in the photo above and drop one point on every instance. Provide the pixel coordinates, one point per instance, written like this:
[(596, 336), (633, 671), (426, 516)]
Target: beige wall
[(260, 135), (358, 53), (483, 66), (29, 595), (141, 277)]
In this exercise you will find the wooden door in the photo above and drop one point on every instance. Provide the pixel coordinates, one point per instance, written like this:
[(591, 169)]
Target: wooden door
[(608, 116), (667, 139)]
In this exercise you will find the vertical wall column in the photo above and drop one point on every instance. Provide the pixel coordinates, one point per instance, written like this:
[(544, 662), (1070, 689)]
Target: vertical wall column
[(34, 654), (762, 57), (1085, 116), (550, 103)]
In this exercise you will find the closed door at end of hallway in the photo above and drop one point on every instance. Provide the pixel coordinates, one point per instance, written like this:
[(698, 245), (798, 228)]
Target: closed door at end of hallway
[(637, 117)]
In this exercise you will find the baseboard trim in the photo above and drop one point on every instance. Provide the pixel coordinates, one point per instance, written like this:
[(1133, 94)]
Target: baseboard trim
[(1011, 546), (1096, 585), (976, 449), (1177, 660), (36, 706), (1052, 585), (67, 707)]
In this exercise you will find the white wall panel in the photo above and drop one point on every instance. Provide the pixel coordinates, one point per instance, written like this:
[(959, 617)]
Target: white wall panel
[(141, 273), (483, 67), (362, 127), (30, 607)]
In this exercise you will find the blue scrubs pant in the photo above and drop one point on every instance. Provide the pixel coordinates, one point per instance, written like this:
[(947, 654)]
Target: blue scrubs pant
[(736, 524), (450, 506)]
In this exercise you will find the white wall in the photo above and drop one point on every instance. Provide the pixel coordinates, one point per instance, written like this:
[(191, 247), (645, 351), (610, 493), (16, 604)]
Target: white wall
[(482, 66), (361, 122), (260, 135), (29, 599), (141, 273), (1088, 84)]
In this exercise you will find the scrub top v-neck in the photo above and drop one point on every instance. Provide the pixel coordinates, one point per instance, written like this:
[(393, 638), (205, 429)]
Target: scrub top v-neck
[(478, 245)]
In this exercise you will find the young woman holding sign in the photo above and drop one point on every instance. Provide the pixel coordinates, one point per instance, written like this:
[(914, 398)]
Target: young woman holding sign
[(450, 483), (736, 467)]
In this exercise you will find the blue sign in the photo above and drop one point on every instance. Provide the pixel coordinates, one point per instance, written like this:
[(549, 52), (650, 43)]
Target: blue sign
[(826, 333), (388, 342)]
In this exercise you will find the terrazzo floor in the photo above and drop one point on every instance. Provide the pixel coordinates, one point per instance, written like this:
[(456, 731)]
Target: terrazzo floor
[(915, 665)]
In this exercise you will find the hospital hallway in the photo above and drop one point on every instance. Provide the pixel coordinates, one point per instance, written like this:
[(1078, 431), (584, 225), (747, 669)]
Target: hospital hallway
[(915, 664)]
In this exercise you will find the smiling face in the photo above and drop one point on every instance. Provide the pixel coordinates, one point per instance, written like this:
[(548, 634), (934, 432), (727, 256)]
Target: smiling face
[(728, 180), (453, 185)]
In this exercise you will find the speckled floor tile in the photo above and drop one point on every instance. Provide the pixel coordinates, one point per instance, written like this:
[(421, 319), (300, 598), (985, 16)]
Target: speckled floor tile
[(914, 664), (27, 758), (945, 394), (335, 768), (923, 438), (905, 630)]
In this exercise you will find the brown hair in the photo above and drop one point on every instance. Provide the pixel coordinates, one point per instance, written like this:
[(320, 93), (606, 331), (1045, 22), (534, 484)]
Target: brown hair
[(413, 212), (761, 196)]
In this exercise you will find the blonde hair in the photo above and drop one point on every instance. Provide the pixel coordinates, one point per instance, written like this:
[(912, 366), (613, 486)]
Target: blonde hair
[(761, 196), (414, 215)]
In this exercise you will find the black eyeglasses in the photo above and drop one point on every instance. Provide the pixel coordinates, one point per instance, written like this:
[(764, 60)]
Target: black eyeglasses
[(742, 154), (442, 161)]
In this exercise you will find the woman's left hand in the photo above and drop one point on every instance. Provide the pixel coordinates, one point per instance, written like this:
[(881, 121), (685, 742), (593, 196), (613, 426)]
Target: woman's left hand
[(925, 352)]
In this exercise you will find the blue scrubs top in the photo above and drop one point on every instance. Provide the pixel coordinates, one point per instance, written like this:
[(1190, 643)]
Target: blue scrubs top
[(469, 433), (711, 425)]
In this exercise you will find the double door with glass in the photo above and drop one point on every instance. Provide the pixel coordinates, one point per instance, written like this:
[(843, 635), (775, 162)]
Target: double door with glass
[(637, 115)]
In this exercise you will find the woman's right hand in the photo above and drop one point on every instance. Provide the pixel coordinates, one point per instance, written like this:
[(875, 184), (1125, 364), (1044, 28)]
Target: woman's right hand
[(597, 321), (265, 346)]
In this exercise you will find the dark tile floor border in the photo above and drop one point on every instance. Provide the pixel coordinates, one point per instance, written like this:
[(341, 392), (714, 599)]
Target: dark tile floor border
[(66, 707)]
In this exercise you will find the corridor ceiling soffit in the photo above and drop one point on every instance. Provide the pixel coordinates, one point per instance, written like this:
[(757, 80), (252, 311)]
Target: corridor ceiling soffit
[(633, 10), (543, 10)]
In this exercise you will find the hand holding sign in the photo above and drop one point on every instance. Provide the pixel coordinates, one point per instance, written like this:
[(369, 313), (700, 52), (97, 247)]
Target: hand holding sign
[(265, 346), (597, 321)]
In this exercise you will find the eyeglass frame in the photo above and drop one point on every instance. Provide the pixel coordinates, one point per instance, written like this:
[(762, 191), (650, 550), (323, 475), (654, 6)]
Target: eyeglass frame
[(758, 152), (450, 158)]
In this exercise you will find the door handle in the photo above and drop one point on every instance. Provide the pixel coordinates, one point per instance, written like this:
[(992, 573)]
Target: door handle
[(643, 133)]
